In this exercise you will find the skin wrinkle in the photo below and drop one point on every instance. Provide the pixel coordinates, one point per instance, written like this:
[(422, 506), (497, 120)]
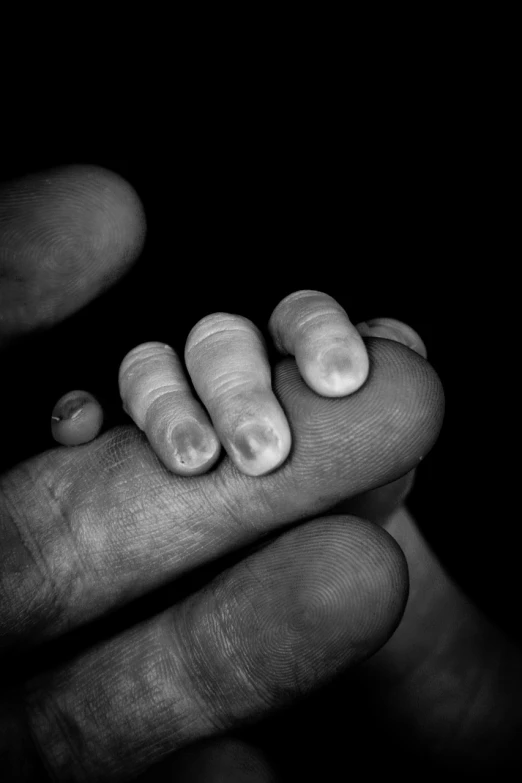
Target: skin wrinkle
[(287, 633), (209, 339), (249, 506), (235, 381), (211, 648), (212, 326), (39, 597), (246, 411), (99, 751), (322, 317), (292, 322), (240, 686), (193, 691), (187, 540), (94, 539), (45, 753), (62, 511)]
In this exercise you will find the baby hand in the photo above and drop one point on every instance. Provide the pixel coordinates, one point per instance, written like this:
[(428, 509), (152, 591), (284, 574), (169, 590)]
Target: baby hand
[(223, 395)]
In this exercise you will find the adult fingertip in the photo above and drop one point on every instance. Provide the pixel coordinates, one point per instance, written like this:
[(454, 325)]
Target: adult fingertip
[(67, 234), (364, 589), (113, 223), (334, 592)]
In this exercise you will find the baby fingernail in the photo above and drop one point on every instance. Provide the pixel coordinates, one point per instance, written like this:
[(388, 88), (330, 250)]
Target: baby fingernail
[(77, 418), (391, 329), (70, 405), (192, 445), (339, 372), (257, 448)]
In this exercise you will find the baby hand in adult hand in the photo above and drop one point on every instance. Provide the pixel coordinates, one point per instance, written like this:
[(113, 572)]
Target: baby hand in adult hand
[(85, 531)]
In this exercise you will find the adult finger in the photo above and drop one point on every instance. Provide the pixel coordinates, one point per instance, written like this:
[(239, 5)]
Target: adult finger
[(84, 530), (65, 235), (377, 504), (328, 349), (273, 627)]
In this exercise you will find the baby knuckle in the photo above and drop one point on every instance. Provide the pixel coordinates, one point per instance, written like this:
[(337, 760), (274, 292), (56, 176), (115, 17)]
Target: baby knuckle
[(213, 328), (234, 386), (298, 296), (319, 316), (137, 357)]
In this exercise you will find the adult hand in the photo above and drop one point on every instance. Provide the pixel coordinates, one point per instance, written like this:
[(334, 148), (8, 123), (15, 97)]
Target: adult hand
[(86, 531)]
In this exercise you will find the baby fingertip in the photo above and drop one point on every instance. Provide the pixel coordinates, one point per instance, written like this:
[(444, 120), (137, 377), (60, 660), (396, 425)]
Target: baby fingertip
[(392, 329), (76, 418)]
